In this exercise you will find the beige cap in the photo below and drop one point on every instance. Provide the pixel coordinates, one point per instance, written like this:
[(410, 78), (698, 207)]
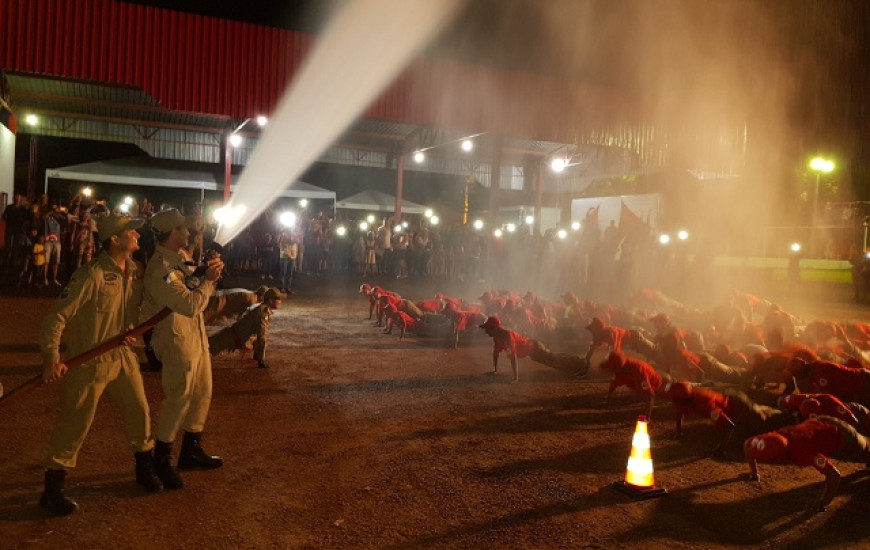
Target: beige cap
[(115, 225), (167, 220)]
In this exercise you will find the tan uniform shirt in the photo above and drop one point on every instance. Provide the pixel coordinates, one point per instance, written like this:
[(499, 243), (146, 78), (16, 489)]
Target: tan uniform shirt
[(99, 303), (183, 332)]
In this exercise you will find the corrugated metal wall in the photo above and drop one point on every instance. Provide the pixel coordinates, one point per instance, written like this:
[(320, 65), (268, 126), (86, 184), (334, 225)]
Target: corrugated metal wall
[(187, 62), (209, 65)]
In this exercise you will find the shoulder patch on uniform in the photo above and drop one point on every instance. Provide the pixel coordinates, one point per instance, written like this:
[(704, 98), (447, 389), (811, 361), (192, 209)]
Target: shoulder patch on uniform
[(171, 277), (110, 277)]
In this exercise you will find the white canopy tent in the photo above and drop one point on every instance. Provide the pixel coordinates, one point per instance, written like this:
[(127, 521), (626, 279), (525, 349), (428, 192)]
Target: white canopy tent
[(376, 201), (151, 172)]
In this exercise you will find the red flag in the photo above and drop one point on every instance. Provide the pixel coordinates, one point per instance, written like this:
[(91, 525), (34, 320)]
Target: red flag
[(629, 222)]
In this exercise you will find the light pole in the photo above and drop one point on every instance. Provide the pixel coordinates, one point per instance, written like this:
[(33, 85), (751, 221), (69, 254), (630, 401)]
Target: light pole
[(818, 165)]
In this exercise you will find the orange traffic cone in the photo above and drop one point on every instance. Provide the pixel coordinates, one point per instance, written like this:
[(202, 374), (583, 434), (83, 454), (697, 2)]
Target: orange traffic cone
[(639, 479)]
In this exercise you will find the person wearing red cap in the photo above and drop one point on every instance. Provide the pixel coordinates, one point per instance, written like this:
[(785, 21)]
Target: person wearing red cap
[(603, 335), (810, 405), (518, 346), (847, 383), (809, 443), (513, 343), (460, 320), (728, 410), (636, 374), (400, 319)]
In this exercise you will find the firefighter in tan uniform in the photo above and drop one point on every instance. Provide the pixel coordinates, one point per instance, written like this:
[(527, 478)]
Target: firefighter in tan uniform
[(100, 302), (181, 344), (254, 323)]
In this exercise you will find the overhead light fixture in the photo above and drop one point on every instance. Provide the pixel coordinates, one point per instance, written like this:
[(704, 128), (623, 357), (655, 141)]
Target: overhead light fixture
[(575, 226), (262, 121), (235, 139), (558, 164), (31, 119), (419, 157), (434, 220), (467, 145), (303, 202)]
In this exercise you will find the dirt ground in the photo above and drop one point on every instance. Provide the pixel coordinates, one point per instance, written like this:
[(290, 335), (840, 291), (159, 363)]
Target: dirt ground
[(354, 439)]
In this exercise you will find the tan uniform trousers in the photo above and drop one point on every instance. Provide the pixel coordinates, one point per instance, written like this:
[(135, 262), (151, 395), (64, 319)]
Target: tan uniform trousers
[(80, 393), (187, 388)]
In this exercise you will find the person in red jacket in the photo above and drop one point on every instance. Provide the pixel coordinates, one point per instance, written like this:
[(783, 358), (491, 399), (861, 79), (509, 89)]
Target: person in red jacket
[(636, 374), (399, 319), (518, 346), (847, 383), (810, 405), (460, 320), (728, 411), (603, 335), (809, 443), (513, 343)]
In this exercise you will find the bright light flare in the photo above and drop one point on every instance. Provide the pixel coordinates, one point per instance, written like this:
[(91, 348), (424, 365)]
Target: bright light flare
[(795, 247), (262, 121), (87, 191), (397, 229), (303, 203), (511, 227), (31, 119), (478, 224), (664, 238), (467, 145), (434, 220), (497, 233), (419, 157), (822, 165), (124, 208), (128, 200), (341, 231), (558, 164), (370, 218), (683, 235), (235, 139), (428, 213), (405, 224), (363, 226), (562, 234), (287, 219), (575, 226), (229, 216), (530, 220)]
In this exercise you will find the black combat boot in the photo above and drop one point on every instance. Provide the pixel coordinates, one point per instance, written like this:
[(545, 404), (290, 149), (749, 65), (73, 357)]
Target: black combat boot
[(163, 466), (146, 476), (192, 457), (53, 498)]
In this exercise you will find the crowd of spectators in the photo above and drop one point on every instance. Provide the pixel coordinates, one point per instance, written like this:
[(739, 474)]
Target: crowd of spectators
[(45, 242)]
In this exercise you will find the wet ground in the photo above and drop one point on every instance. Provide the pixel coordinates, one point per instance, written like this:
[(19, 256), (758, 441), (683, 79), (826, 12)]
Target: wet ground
[(353, 439)]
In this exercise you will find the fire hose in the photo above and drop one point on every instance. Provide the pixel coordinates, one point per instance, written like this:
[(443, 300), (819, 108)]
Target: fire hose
[(94, 352)]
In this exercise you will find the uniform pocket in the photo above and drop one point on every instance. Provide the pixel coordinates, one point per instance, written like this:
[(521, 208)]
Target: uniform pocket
[(108, 297)]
